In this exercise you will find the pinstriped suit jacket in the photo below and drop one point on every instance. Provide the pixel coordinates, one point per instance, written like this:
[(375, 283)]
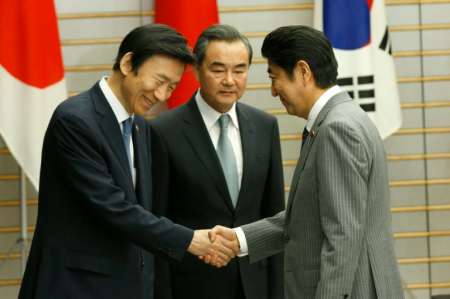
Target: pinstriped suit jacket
[(336, 230)]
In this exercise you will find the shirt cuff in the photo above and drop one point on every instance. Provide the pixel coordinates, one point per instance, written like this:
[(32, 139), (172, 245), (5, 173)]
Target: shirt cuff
[(242, 241)]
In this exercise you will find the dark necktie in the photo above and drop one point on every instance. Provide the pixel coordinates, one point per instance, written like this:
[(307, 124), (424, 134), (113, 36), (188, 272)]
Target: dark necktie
[(304, 135), (126, 135)]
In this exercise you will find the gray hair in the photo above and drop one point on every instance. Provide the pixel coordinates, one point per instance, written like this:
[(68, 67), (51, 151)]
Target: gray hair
[(219, 32)]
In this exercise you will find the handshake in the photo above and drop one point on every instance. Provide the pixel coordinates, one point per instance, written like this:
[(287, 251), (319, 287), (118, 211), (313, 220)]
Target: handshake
[(215, 246)]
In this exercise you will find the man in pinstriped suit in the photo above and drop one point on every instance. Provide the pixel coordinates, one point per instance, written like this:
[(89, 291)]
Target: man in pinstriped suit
[(336, 230)]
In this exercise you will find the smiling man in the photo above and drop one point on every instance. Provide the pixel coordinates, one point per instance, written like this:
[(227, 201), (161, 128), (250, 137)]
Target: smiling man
[(218, 162), (336, 231), (95, 232)]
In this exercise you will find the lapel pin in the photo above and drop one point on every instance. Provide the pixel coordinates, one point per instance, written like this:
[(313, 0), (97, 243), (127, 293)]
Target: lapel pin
[(313, 133), (137, 128)]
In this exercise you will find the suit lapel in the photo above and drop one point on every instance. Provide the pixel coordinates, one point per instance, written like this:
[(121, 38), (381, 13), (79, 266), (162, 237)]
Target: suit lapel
[(141, 160), (198, 137), (295, 179), (249, 142), (111, 129), (308, 146), (304, 152)]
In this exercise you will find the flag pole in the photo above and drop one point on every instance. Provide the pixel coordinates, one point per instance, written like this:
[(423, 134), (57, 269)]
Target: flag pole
[(23, 220)]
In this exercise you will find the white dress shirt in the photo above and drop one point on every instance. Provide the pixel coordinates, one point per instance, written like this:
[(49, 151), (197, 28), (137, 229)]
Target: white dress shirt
[(319, 104), (121, 114), (210, 118), (312, 116)]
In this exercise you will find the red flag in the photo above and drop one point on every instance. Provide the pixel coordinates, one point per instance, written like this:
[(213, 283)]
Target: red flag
[(32, 77), (190, 18)]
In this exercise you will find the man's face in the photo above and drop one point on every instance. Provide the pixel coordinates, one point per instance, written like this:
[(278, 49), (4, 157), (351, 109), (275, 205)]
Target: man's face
[(154, 82), (289, 90), (223, 74)]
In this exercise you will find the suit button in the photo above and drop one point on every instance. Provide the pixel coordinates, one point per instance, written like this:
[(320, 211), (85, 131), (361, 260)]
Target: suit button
[(286, 238)]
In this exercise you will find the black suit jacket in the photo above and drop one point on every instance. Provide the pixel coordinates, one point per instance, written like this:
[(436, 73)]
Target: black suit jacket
[(94, 229), (190, 187)]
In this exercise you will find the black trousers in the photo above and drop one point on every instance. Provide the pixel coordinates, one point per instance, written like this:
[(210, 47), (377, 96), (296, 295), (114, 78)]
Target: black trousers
[(239, 291)]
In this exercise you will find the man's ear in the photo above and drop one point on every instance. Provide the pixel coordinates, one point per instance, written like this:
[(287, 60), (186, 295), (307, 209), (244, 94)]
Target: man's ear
[(125, 64), (303, 71)]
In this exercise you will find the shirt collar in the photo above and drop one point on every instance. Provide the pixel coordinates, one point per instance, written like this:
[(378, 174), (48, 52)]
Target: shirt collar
[(319, 104), (119, 111), (210, 115)]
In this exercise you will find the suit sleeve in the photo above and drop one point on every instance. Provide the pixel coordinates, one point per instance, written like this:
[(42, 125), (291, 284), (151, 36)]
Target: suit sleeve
[(273, 202), (342, 166), (87, 171), (265, 237), (161, 182)]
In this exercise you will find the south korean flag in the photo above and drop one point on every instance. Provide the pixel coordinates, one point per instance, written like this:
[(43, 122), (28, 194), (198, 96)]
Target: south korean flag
[(358, 32)]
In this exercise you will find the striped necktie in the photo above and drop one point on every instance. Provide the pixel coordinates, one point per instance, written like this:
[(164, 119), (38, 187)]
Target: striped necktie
[(126, 135)]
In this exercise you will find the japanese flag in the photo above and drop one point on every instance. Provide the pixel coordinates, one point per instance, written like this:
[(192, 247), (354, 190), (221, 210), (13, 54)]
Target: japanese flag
[(31, 78)]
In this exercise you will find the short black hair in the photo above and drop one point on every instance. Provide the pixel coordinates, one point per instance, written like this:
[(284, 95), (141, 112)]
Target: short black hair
[(219, 32), (287, 45), (153, 39)]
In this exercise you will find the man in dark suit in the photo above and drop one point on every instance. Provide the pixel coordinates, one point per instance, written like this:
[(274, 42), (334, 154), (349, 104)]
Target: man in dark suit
[(95, 231), (217, 161)]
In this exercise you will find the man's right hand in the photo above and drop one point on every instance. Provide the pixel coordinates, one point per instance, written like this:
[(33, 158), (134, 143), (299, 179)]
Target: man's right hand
[(227, 238), (218, 250)]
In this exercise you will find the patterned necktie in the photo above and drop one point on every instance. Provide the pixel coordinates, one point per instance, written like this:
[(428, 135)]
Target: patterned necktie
[(126, 135), (227, 159), (304, 135)]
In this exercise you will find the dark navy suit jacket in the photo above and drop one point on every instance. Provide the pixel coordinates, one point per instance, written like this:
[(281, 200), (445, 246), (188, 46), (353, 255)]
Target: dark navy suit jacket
[(95, 233)]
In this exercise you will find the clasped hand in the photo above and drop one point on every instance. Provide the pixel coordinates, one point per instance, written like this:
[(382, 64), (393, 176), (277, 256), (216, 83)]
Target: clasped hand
[(215, 246)]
